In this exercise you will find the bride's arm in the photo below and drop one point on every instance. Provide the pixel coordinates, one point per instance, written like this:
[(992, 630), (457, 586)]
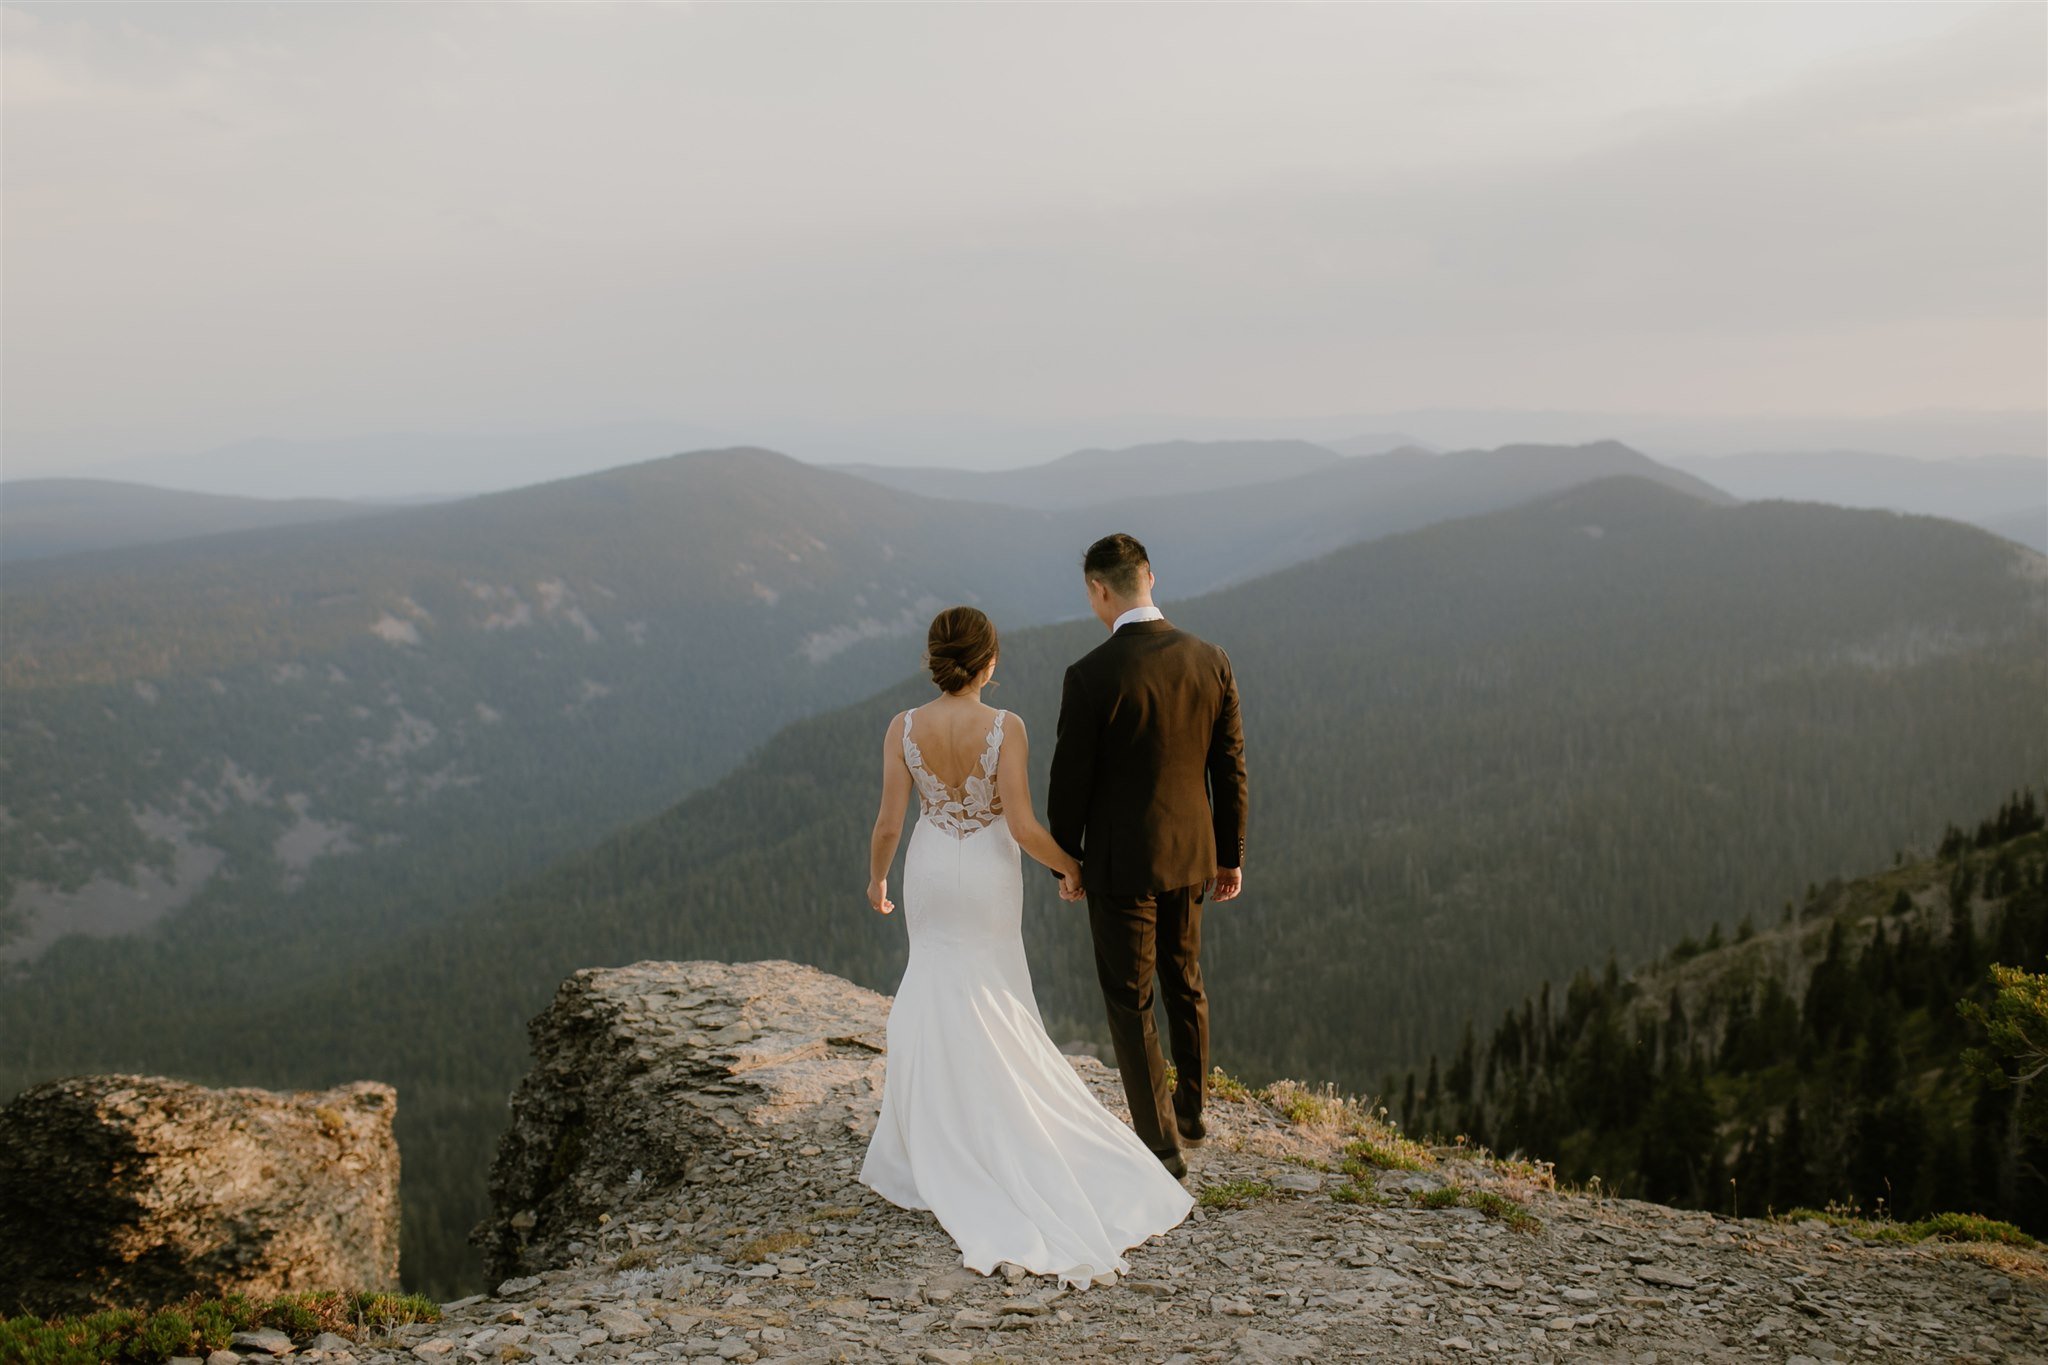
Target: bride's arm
[(889, 819), (1013, 785)]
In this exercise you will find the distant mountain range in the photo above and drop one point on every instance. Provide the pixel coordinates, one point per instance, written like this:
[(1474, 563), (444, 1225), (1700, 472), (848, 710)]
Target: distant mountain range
[(259, 709), (44, 517), (1483, 752), (1201, 540), (40, 517), (2007, 494), (1104, 476), (405, 465)]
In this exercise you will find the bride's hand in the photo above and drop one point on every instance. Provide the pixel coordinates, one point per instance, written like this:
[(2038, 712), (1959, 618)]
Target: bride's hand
[(1070, 881), (878, 896)]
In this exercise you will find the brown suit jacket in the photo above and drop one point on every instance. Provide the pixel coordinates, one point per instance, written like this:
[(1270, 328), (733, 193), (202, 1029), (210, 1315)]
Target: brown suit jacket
[(1148, 782)]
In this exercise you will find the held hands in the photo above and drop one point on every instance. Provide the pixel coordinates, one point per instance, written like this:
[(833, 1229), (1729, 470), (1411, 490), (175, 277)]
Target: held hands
[(1069, 873), (1227, 882), (878, 896)]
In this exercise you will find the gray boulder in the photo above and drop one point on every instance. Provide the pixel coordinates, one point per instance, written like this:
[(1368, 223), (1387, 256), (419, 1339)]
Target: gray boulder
[(119, 1190)]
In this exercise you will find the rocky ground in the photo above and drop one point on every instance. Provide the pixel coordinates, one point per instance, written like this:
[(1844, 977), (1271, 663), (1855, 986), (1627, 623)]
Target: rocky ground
[(758, 1243)]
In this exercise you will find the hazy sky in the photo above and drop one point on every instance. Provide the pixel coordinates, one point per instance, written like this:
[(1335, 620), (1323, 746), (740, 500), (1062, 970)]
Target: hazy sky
[(227, 221)]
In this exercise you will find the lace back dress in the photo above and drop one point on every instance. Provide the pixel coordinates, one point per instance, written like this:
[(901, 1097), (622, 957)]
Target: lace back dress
[(983, 1121)]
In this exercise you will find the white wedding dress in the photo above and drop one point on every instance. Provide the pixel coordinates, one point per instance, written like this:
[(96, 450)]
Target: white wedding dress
[(983, 1122)]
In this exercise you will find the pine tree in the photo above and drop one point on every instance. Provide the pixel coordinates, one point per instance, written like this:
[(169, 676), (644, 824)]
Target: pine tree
[(1789, 1173), (1463, 1066)]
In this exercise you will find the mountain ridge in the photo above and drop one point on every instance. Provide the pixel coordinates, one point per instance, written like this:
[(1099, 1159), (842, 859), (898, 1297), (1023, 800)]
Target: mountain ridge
[(1102, 475), (44, 518)]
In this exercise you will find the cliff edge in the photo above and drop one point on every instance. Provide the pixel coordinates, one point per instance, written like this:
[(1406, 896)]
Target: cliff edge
[(679, 1183)]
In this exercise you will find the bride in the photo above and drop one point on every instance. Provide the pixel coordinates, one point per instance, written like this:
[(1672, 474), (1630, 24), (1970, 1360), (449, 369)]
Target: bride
[(983, 1122)]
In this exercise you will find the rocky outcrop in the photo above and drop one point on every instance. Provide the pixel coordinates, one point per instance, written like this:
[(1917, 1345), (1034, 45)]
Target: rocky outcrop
[(680, 1184), (129, 1190), (656, 1077)]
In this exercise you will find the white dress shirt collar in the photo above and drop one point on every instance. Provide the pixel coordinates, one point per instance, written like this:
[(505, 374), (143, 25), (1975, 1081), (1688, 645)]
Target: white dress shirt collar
[(1137, 614)]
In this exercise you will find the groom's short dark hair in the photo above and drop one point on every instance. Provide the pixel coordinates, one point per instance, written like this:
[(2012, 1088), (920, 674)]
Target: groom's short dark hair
[(1116, 560)]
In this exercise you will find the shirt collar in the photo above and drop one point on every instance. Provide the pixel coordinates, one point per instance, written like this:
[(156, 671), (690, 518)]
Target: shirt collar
[(1137, 614)]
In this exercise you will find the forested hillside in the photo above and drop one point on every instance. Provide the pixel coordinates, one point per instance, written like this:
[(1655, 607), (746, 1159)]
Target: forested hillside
[(1796, 1057), (1481, 754)]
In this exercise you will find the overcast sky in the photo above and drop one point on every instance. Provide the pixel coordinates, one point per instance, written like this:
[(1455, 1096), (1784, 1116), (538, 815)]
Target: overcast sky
[(312, 221)]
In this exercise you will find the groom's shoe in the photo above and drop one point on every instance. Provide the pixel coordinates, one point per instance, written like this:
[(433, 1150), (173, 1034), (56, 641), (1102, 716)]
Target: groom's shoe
[(1192, 1131), (1176, 1165)]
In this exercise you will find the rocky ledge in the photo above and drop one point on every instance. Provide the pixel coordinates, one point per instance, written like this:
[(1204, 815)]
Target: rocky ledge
[(679, 1183)]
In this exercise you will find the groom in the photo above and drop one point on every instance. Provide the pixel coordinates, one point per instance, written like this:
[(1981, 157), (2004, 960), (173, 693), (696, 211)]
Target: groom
[(1148, 792)]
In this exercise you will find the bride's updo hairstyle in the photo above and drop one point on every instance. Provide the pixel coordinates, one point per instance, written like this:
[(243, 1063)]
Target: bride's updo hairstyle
[(962, 642)]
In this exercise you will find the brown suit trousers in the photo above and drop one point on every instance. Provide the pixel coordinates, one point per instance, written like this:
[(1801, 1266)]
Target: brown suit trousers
[(1126, 930)]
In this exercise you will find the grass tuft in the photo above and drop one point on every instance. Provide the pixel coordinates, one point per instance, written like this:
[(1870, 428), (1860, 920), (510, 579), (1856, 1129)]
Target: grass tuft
[(1502, 1209), (1395, 1153), (1233, 1194), (1298, 1104), (1498, 1207), (1360, 1191), (774, 1244)]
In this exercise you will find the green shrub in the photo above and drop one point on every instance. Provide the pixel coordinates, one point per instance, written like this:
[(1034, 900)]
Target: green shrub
[(1227, 1087), (215, 1328), (1940, 1227), (1970, 1227), (166, 1332)]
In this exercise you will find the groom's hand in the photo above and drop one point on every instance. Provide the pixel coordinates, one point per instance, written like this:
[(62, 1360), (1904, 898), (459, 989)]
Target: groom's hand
[(1226, 884)]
